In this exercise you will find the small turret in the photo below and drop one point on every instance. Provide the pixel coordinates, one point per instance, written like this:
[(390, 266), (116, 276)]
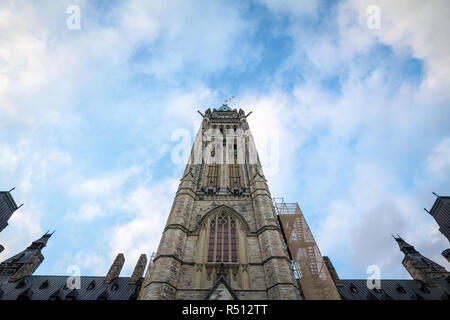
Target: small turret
[(405, 247), (420, 267), (26, 262)]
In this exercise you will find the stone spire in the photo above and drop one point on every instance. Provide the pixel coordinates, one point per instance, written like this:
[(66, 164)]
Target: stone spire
[(138, 271), (116, 267), (26, 262), (405, 247), (420, 267)]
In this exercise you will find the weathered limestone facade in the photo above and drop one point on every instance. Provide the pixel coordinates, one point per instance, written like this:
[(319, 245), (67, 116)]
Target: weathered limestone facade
[(26, 262), (222, 222), (425, 273), (420, 267), (116, 267), (139, 269)]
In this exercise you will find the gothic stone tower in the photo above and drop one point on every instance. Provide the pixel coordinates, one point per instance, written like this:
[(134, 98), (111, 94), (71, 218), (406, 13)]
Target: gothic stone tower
[(222, 239)]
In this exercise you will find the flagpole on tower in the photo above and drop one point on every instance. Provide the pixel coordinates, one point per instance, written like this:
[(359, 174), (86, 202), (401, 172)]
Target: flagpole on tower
[(229, 99)]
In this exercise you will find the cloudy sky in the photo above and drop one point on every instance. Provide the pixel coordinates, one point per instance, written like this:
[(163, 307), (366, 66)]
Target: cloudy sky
[(361, 111)]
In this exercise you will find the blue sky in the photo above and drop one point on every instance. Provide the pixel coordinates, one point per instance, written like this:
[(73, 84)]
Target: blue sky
[(88, 117)]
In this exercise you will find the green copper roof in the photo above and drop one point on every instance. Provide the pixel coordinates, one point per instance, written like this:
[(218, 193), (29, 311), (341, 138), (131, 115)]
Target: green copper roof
[(224, 107)]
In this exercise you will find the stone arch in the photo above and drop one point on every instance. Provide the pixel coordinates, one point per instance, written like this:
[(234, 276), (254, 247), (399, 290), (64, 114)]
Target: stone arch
[(219, 209), (229, 258)]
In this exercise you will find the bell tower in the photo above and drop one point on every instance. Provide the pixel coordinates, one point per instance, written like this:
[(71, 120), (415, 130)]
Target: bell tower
[(222, 239)]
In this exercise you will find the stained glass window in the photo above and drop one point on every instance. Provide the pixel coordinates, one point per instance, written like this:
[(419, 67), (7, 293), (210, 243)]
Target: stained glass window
[(222, 246)]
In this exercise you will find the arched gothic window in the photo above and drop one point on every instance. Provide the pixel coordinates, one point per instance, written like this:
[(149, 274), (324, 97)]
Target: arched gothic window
[(222, 246)]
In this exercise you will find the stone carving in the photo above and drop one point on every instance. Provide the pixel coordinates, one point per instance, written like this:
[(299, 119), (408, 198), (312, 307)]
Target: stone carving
[(234, 271), (221, 293), (189, 175), (199, 267)]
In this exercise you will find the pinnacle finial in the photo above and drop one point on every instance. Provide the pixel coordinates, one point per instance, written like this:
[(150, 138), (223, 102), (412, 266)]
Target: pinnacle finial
[(398, 238)]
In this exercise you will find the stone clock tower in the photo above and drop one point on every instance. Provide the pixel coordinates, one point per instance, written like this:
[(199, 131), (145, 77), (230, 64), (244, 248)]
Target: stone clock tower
[(222, 239)]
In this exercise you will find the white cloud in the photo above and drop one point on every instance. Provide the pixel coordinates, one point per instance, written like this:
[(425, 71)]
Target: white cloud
[(9, 158), (439, 159), (150, 207), (358, 228), (28, 167), (28, 163), (24, 227), (101, 195), (419, 26), (110, 183), (137, 215), (42, 61), (88, 212), (354, 163), (91, 260)]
